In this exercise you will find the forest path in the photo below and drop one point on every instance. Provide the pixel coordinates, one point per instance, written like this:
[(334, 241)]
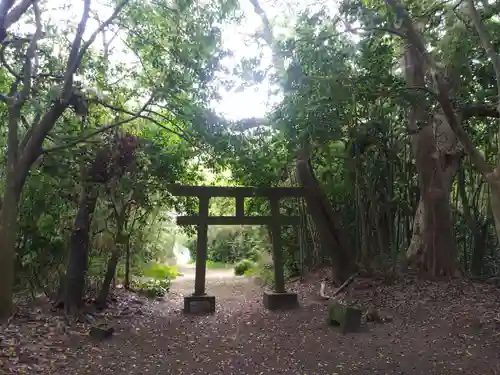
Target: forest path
[(243, 338)]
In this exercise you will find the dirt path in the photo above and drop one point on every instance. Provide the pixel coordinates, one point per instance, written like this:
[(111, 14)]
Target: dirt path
[(244, 338)]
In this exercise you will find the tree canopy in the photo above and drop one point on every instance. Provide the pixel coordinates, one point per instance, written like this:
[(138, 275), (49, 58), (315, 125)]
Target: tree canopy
[(104, 108)]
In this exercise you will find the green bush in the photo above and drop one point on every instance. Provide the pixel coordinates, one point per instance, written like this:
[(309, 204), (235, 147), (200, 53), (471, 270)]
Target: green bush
[(153, 288), (243, 266), (159, 271)]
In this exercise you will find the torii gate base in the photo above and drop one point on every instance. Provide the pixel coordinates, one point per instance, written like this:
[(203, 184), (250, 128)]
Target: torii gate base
[(199, 301), (199, 304), (280, 301)]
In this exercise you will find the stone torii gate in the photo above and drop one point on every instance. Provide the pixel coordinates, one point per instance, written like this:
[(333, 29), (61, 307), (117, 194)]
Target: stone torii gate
[(279, 298)]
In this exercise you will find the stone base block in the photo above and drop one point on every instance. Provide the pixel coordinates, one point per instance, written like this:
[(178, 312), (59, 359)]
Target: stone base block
[(280, 301), (348, 318), (199, 304)]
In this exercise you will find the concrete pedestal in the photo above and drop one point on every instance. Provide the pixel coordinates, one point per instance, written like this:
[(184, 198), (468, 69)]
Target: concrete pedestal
[(280, 301), (196, 304)]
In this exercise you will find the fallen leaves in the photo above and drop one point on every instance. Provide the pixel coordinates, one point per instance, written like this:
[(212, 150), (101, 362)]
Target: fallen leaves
[(436, 328), (40, 340)]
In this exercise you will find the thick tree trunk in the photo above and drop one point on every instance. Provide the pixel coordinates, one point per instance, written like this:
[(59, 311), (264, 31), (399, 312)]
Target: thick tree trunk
[(437, 248), (494, 182), (415, 250), (78, 255), (8, 235)]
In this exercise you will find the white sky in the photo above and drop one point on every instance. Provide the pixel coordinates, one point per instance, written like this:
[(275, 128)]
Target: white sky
[(251, 102)]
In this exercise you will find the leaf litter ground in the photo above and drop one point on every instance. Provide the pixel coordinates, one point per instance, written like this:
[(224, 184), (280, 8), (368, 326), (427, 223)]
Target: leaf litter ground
[(435, 328)]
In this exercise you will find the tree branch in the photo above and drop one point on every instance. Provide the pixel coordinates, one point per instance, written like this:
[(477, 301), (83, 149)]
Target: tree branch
[(268, 36), (442, 93), (29, 69), (180, 133), (101, 129), (485, 39), (33, 147), (16, 13), (480, 110), (73, 61), (81, 52)]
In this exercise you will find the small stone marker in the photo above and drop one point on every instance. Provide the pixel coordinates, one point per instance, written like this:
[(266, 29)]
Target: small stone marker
[(348, 318), (101, 331)]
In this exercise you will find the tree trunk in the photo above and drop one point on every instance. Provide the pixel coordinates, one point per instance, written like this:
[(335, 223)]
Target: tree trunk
[(439, 250), (110, 274), (120, 242), (415, 249), (78, 255), (8, 234), (434, 239), (127, 264), (480, 243), (326, 222)]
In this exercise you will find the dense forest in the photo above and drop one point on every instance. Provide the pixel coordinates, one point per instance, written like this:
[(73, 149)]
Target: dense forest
[(101, 112)]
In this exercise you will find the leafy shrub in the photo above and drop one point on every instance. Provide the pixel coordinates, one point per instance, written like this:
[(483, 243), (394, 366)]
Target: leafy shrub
[(159, 271), (153, 288), (243, 266)]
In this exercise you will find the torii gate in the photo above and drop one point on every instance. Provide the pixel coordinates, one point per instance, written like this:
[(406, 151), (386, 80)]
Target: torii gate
[(279, 298)]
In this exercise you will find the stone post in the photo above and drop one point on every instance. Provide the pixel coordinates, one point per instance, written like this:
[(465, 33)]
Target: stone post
[(279, 274), (201, 247)]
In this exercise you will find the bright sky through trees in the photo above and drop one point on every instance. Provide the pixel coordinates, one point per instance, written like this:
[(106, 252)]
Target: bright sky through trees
[(249, 102)]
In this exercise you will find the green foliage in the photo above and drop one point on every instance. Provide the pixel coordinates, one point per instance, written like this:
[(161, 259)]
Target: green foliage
[(229, 245), (160, 271), (153, 288), (217, 265), (346, 96), (264, 273), (243, 266)]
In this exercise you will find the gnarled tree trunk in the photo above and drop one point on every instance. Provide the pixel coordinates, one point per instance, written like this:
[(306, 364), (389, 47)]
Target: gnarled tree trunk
[(450, 156), (434, 247)]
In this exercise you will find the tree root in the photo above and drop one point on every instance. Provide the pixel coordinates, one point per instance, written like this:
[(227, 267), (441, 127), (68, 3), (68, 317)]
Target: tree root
[(340, 289)]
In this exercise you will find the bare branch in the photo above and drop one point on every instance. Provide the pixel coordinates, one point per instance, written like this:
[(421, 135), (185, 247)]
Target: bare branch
[(29, 69), (268, 36), (73, 61), (340, 289), (5, 6), (16, 13), (77, 53)]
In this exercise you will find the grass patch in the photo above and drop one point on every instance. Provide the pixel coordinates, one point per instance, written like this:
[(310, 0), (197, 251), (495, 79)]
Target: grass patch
[(218, 265)]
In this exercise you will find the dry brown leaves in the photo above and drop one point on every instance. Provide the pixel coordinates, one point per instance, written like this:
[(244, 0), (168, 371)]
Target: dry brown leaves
[(40, 340), (438, 328)]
